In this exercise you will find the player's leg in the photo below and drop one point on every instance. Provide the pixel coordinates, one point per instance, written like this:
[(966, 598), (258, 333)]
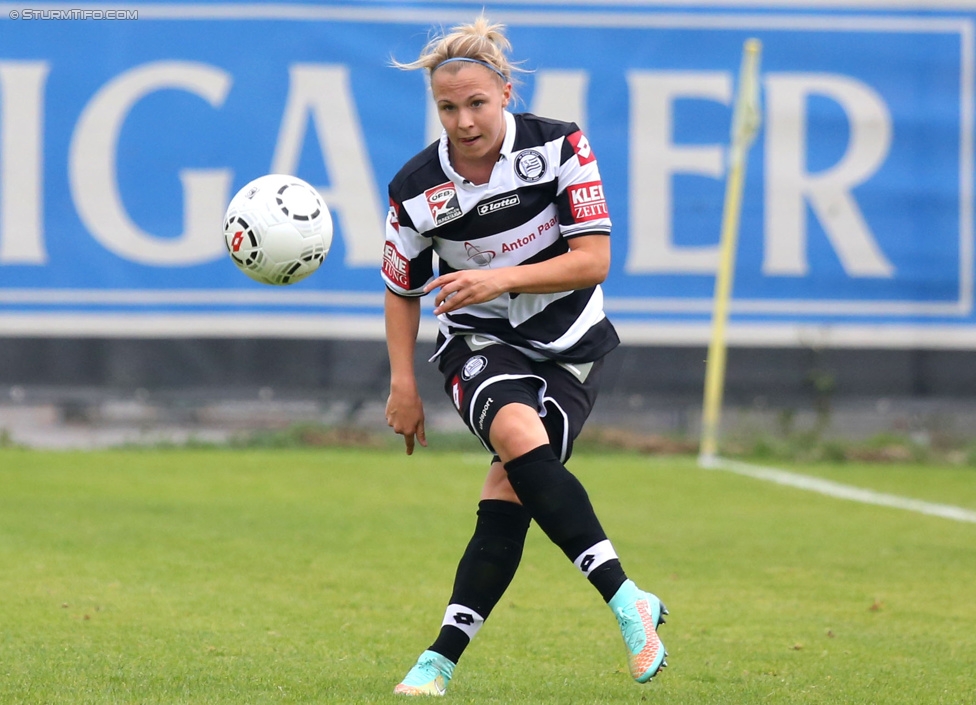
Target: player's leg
[(491, 557), (486, 568), (558, 502), (554, 497), (484, 572)]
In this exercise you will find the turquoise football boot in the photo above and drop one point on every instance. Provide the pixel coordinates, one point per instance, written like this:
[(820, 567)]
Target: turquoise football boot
[(429, 676), (639, 614)]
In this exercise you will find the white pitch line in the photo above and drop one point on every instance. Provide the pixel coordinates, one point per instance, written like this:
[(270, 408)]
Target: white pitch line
[(837, 489)]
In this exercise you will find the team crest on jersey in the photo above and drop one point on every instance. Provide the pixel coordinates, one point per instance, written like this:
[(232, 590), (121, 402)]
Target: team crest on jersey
[(443, 203), (581, 145), (480, 257), (474, 367), (530, 165)]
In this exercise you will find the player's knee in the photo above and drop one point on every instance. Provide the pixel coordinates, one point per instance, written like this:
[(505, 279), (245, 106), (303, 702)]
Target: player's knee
[(486, 406), (515, 430), (503, 409), (497, 485)]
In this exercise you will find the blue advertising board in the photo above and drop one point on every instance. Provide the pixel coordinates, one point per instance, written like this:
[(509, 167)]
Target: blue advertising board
[(125, 130)]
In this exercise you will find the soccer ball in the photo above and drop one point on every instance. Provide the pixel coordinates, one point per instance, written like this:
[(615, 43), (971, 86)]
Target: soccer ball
[(277, 229)]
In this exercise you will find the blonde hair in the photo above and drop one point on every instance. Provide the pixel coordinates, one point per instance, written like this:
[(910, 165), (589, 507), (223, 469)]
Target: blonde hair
[(480, 42)]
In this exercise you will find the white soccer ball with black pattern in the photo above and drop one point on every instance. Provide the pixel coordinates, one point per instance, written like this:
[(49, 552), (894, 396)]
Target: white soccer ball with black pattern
[(278, 229)]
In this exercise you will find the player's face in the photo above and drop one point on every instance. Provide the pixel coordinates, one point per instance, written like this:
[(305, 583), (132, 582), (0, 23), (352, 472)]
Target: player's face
[(471, 104)]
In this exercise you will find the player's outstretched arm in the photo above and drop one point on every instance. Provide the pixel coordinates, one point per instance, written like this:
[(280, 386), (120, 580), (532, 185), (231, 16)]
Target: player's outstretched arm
[(586, 264), (404, 408)]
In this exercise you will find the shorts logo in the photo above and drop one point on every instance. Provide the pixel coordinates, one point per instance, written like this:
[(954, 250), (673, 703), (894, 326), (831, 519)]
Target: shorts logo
[(484, 413), (474, 367), (443, 203), (498, 204), (588, 202), (396, 267), (581, 145), (530, 165), (456, 394)]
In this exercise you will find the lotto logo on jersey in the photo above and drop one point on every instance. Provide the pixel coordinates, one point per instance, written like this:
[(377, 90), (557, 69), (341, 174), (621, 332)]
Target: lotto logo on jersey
[(396, 267), (498, 204), (443, 203), (456, 393), (394, 215), (588, 201), (581, 146)]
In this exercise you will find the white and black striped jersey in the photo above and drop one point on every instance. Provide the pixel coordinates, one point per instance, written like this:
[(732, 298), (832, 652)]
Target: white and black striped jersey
[(545, 189)]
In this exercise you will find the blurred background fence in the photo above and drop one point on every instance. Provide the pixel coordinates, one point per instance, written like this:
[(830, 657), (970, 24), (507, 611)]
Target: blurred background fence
[(124, 130)]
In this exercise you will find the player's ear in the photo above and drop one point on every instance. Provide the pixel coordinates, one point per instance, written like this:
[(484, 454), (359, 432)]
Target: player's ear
[(506, 94)]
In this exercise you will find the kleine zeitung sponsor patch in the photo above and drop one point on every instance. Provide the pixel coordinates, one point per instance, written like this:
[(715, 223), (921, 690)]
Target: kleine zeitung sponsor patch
[(588, 201), (395, 266)]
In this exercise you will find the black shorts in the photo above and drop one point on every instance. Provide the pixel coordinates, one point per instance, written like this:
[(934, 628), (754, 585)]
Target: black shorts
[(481, 378)]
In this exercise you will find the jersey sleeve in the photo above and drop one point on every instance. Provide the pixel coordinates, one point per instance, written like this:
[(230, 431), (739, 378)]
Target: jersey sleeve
[(408, 256), (580, 198)]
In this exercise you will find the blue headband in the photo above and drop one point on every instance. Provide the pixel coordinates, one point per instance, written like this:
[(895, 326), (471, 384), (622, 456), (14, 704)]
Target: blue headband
[(471, 61)]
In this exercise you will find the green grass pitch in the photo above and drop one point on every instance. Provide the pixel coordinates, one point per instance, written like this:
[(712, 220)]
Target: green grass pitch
[(317, 576)]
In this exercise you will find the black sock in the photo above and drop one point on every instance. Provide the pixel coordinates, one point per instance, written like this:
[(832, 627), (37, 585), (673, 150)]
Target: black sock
[(558, 503), (608, 578), (484, 573)]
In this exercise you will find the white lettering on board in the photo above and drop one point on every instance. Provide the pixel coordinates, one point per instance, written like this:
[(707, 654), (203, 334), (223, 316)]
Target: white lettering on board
[(323, 91), (789, 186), (21, 162), (93, 173), (654, 159)]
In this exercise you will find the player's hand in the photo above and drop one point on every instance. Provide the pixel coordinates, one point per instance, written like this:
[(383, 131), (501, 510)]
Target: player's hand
[(405, 415), (466, 287)]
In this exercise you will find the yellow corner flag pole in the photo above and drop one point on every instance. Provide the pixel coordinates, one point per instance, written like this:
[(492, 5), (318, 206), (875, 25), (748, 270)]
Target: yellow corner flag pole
[(746, 119)]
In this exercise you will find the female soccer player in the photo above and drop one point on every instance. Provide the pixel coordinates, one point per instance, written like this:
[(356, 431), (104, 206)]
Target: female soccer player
[(513, 206)]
